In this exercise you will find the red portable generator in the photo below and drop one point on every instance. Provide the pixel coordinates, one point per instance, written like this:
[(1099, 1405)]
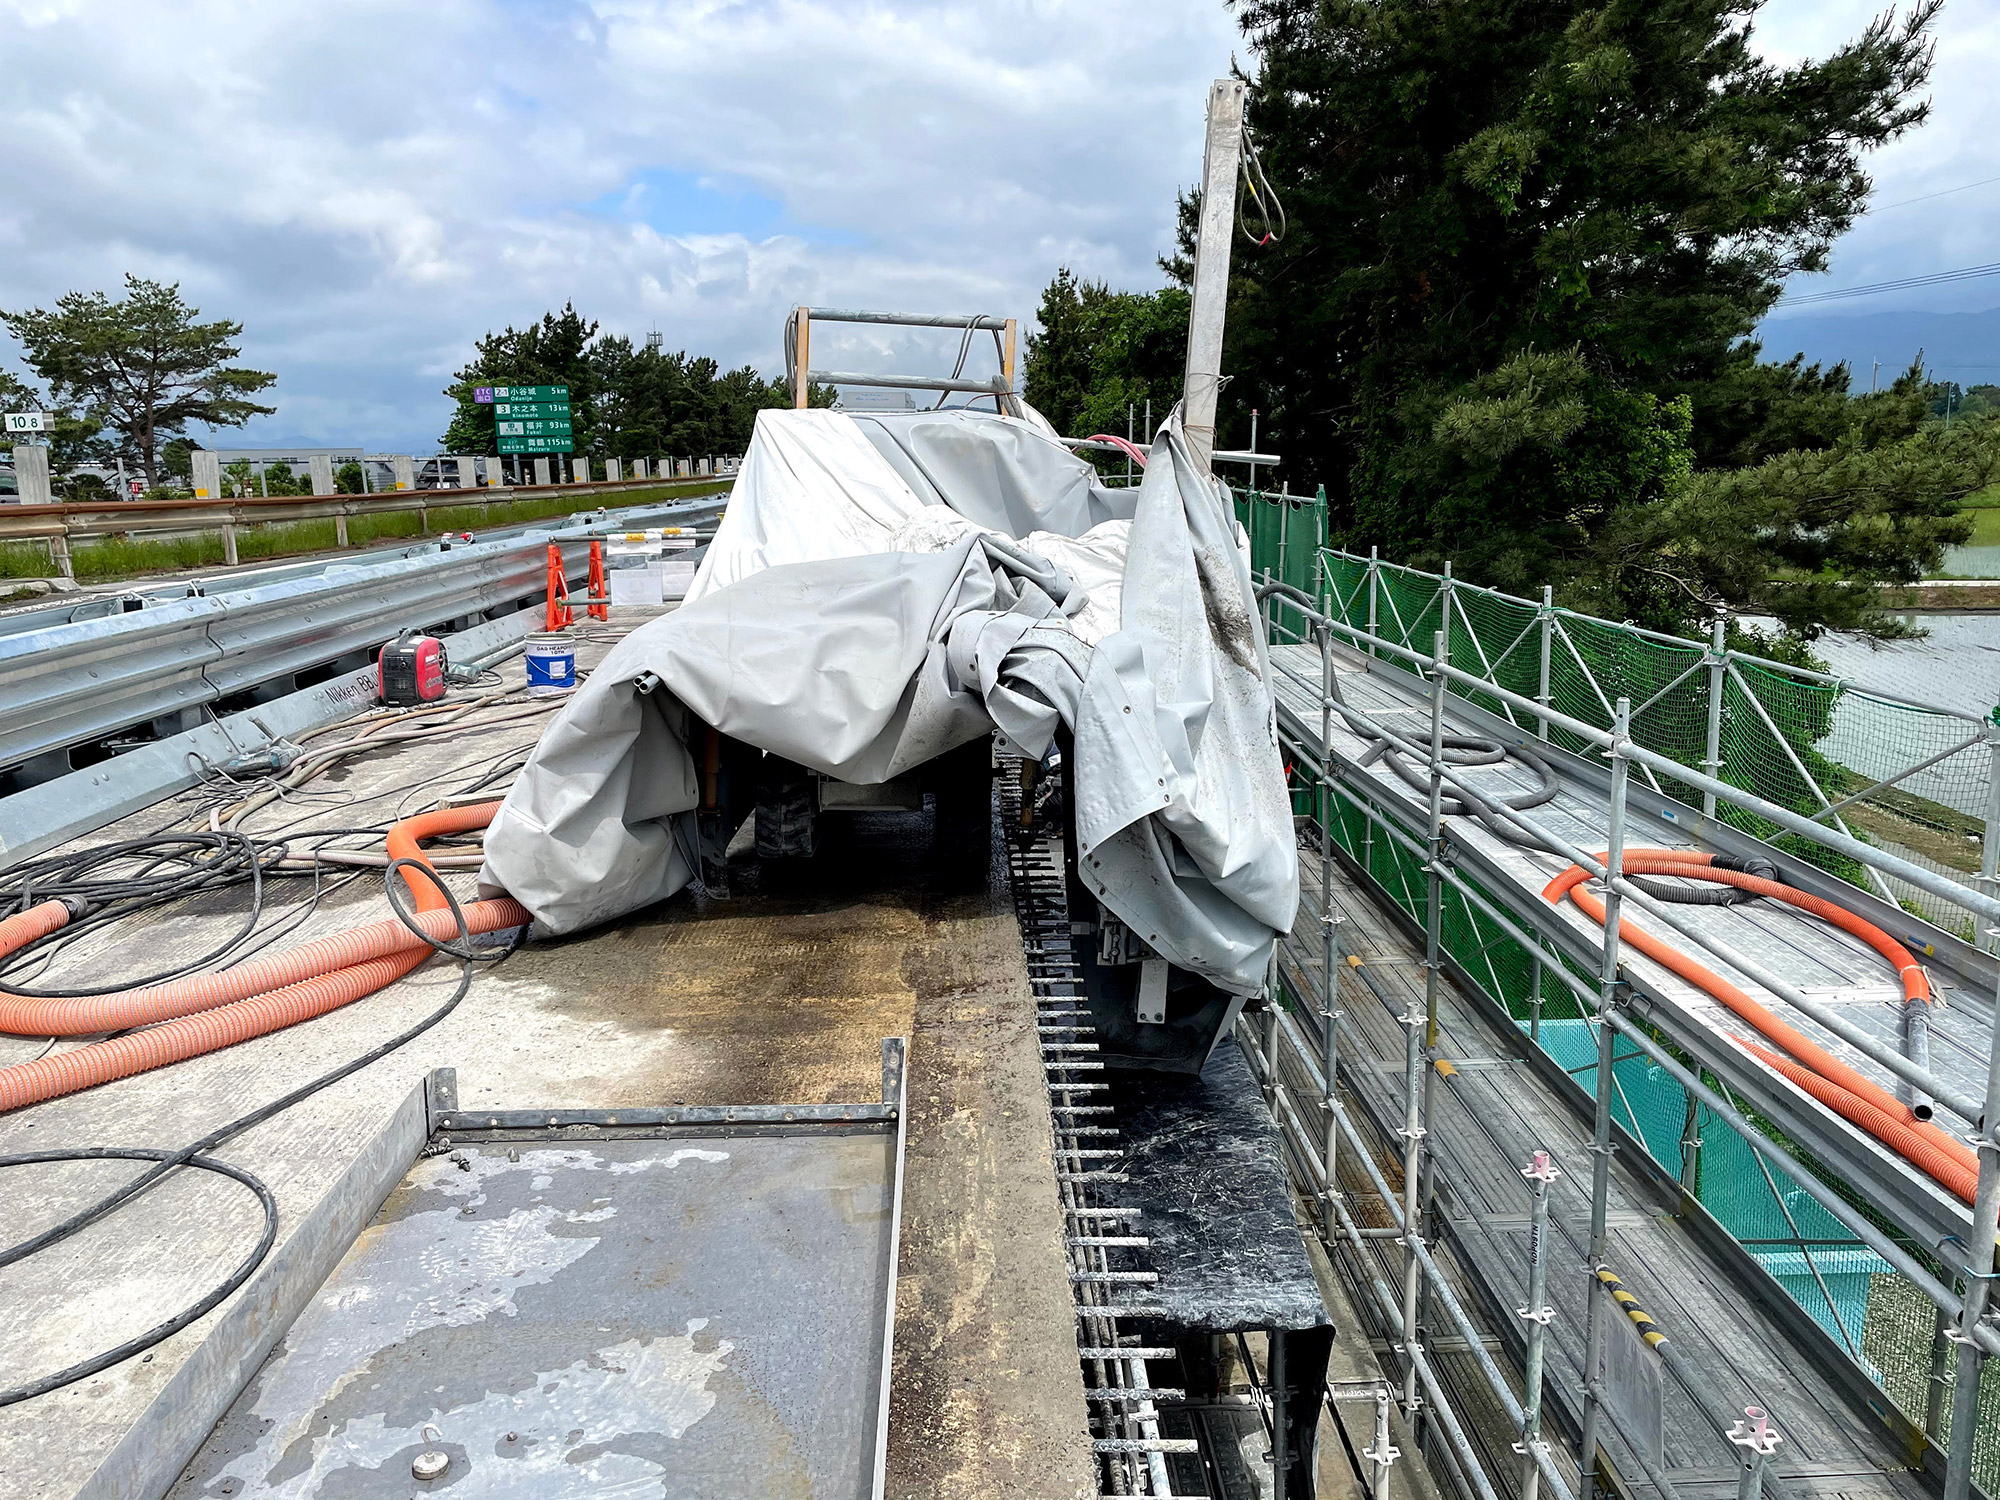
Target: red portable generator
[(411, 670)]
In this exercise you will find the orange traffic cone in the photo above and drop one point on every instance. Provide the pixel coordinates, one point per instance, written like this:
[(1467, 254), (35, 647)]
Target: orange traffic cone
[(559, 616), (600, 591)]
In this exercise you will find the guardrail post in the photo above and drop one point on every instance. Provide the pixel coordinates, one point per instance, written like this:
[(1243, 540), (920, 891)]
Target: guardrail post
[(59, 553), (1718, 677), (1601, 1148), (340, 527), (31, 474), (1548, 631), (1540, 1173), (229, 543)]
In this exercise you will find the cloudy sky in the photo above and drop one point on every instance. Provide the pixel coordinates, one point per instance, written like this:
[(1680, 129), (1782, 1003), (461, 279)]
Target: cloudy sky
[(371, 184)]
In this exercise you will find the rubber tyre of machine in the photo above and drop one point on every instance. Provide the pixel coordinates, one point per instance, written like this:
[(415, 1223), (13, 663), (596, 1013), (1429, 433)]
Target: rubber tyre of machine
[(960, 783), (787, 810)]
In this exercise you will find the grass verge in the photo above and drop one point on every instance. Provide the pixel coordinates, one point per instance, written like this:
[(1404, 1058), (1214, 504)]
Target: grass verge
[(127, 557)]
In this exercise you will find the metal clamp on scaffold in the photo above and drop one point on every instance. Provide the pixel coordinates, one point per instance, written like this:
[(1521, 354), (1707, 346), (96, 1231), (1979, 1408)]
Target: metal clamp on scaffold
[(1757, 1434), (1541, 1169)]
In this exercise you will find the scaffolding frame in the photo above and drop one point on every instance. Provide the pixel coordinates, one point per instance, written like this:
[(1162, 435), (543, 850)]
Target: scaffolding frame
[(1278, 1042)]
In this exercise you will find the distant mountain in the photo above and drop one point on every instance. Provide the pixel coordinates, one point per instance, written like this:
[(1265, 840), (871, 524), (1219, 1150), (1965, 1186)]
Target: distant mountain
[(1961, 346)]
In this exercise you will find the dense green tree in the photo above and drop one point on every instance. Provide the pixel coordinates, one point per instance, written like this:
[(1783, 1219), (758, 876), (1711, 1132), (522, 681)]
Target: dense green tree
[(140, 367), (174, 460), (1804, 536), (1097, 354), (1529, 241), (550, 352), (626, 401)]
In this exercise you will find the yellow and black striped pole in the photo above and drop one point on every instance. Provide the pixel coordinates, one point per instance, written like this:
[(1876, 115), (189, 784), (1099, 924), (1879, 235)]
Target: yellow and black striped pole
[(1641, 1320)]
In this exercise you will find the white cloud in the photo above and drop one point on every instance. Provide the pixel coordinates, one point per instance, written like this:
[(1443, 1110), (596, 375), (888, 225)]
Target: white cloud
[(369, 185), (1899, 238)]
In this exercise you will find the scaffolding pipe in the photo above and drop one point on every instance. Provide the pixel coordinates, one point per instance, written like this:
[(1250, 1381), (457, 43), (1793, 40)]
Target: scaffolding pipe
[(1461, 1446), (1784, 817), (1863, 1228), (1536, 1311), (1978, 1282), (1905, 1068), (1454, 1309), (1601, 1145)]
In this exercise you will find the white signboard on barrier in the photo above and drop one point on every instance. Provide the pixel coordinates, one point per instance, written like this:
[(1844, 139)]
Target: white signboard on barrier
[(28, 421)]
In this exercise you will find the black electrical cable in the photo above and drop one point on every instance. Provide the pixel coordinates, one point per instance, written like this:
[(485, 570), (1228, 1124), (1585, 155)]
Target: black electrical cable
[(165, 867), (159, 1331), (192, 1155)]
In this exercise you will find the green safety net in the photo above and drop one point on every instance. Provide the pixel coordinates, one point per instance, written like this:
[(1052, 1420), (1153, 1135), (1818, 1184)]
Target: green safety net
[(1913, 780), (1875, 1313), (1781, 734)]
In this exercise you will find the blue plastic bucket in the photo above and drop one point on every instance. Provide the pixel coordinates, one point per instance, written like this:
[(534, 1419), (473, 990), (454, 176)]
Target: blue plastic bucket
[(551, 664)]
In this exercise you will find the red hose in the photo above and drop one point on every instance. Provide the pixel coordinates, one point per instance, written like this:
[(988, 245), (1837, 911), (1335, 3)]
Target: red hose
[(250, 1000), (1859, 1099), (1130, 449)]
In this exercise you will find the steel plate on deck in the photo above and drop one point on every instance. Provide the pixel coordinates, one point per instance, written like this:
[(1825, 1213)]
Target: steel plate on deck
[(678, 1315)]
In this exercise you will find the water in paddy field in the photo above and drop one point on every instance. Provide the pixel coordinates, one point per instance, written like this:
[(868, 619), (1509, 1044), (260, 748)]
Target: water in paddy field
[(1956, 665), (1971, 562)]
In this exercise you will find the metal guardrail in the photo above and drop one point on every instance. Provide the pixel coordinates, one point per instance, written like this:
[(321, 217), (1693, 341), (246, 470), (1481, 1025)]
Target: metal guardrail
[(59, 525), (100, 601), (81, 682)]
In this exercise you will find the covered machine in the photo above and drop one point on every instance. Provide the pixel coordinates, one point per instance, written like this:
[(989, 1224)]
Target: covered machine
[(882, 595)]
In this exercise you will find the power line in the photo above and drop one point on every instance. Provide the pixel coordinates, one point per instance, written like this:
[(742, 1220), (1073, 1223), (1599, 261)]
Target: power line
[(1941, 193), (1936, 278)]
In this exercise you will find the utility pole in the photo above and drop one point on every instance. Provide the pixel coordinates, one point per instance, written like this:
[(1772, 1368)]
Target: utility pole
[(1221, 163)]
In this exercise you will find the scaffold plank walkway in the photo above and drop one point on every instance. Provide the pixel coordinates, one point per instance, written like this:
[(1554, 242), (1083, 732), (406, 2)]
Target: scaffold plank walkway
[(1493, 1111)]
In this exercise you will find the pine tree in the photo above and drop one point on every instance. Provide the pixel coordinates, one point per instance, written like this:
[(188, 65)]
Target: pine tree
[(1529, 240)]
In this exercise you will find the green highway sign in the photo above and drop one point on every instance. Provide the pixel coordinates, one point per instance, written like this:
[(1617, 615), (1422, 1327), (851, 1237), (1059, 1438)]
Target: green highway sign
[(562, 444), (529, 418), (534, 435), (496, 393)]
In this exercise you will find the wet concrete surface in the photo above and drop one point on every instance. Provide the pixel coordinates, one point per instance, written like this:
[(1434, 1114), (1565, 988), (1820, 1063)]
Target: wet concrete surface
[(778, 995)]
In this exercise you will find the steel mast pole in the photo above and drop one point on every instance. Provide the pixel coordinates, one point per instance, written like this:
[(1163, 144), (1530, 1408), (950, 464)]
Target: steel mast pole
[(1220, 164)]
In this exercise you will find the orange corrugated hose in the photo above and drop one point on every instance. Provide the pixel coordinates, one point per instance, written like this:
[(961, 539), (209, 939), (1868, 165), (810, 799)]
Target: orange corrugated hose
[(1835, 1084), (205, 1012)]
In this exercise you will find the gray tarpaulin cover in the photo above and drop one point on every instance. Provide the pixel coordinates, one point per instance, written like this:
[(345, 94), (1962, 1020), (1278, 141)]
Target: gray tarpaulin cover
[(873, 599)]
